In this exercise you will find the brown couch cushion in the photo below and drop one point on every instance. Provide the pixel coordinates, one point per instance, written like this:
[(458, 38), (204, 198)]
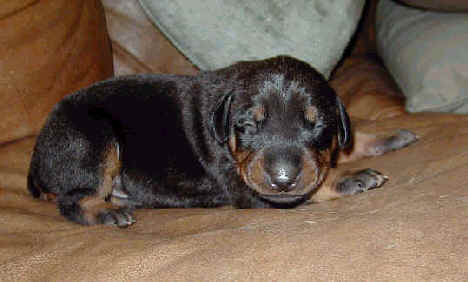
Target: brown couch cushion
[(47, 49)]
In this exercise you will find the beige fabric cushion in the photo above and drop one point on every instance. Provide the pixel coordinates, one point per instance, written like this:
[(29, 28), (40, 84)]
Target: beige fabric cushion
[(47, 49), (413, 229), (137, 46)]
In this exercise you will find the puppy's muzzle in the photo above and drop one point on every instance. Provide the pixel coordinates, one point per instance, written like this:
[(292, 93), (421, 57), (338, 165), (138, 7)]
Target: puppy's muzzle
[(283, 174)]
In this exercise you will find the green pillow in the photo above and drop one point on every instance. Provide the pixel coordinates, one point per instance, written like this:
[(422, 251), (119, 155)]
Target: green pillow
[(217, 33), (427, 53)]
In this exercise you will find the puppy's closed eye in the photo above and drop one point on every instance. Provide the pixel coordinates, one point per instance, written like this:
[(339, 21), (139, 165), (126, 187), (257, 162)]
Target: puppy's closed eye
[(246, 126), (249, 122)]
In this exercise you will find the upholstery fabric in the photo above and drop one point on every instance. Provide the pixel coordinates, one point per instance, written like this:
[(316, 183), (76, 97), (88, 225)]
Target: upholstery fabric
[(413, 229), (139, 47), (47, 50)]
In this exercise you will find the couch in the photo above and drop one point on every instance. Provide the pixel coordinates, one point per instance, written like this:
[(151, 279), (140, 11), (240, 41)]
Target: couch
[(413, 229)]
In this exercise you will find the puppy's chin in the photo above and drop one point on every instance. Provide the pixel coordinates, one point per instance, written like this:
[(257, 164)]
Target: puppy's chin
[(284, 200)]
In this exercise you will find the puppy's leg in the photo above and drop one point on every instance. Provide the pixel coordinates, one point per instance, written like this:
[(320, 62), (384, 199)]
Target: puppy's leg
[(96, 206), (369, 145), (87, 207), (347, 183), (339, 184)]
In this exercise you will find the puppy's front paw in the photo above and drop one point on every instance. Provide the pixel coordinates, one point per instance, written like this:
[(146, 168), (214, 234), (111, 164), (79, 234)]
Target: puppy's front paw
[(121, 217), (360, 181)]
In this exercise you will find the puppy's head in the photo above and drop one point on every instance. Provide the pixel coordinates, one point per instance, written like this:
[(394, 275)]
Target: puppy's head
[(281, 124)]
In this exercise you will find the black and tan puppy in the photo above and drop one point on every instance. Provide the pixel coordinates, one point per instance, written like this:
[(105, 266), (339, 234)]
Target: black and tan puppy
[(257, 134)]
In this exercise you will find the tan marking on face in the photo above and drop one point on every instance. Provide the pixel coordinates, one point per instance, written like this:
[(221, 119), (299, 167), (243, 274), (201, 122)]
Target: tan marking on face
[(253, 171), (310, 169), (311, 113), (315, 168), (232, 143), (259, 113), (239, 156), (243, 159)]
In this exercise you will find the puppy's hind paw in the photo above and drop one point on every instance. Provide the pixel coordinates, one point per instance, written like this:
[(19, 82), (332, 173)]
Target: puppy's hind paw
[(400, 139), (361, 181)]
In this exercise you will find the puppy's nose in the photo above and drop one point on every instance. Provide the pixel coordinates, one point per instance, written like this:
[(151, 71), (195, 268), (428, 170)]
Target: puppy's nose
[(283, 170), (284, 179)]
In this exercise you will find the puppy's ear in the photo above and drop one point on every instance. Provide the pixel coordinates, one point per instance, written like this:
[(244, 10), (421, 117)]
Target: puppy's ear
[(219, 121), (344, 126)]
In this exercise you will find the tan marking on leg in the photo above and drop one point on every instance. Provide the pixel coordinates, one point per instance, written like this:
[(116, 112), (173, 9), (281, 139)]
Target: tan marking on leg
[(93, 205), (328, 189), (110, 168), (118, 202), (361, 143), (370, 145), (331, 189), (51, 197)]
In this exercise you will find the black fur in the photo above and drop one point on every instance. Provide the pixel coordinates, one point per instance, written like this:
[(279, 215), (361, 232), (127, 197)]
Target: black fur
[(172, 133)]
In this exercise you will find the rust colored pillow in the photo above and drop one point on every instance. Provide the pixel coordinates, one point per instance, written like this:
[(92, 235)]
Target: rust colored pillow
[(47, 50)]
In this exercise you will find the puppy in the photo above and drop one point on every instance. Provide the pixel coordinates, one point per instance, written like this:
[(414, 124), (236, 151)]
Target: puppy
[(259, 134)]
